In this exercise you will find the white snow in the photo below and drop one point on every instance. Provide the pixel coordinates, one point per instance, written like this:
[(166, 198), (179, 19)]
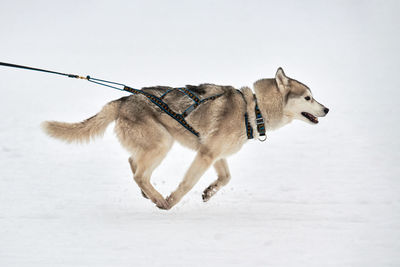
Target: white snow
[(325, 195)]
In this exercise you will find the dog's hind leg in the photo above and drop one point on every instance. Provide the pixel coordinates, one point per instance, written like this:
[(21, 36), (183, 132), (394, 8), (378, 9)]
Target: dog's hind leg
[(221, 167), (201, 163), (146, 163), (133, 165), (149, 143)]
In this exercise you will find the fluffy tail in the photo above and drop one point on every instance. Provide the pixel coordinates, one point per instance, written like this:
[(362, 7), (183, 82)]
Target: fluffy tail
[(86, 130)]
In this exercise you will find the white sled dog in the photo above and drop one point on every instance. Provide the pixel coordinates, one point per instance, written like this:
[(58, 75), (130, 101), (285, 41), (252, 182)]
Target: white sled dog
[(224, 123)]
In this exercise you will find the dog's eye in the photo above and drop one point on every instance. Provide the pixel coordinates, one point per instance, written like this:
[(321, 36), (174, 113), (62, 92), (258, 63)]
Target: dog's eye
[(307, 98)]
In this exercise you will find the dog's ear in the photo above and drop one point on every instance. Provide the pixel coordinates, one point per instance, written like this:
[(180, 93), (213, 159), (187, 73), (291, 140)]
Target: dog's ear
[(282, 80)]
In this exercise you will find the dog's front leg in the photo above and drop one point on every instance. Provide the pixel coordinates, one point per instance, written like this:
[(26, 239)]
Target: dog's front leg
[(198, 167), (221, 167)]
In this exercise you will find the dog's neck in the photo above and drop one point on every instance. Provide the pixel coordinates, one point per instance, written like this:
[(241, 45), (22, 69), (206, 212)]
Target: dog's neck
[(270, 102)]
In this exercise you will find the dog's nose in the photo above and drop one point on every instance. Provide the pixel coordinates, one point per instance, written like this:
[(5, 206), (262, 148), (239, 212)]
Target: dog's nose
[(326, 110)]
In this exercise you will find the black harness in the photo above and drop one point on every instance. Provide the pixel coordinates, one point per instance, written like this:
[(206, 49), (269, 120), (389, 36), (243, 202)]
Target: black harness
[(158, 101)]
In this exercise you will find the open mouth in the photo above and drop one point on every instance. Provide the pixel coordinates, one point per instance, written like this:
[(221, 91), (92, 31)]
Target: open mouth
[(310, 117)]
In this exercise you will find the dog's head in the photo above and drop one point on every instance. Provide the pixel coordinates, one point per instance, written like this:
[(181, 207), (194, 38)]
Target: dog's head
[(298, 101)]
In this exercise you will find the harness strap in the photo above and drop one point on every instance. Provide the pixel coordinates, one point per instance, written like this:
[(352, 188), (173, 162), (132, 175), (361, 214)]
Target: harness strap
[(195, 105), (249, 129), (180, 118), (193, 96), (163, 106), (190, 94), (166, 92), (154, 99)]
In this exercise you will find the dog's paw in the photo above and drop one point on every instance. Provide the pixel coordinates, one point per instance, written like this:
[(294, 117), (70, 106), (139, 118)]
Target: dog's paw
[(171, 201), (162, 204), (209, 192)]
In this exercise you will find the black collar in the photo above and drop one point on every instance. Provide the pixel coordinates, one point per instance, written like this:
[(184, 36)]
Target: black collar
[(259, 121)]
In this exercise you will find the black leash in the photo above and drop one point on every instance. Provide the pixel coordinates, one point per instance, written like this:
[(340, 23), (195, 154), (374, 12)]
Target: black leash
[(88, 78), (42, 70)]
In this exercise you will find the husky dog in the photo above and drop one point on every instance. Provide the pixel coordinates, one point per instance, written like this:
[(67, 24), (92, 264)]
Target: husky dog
[(148, 133)]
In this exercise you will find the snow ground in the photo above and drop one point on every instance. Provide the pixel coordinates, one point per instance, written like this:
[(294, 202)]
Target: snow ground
[(325, 195)]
